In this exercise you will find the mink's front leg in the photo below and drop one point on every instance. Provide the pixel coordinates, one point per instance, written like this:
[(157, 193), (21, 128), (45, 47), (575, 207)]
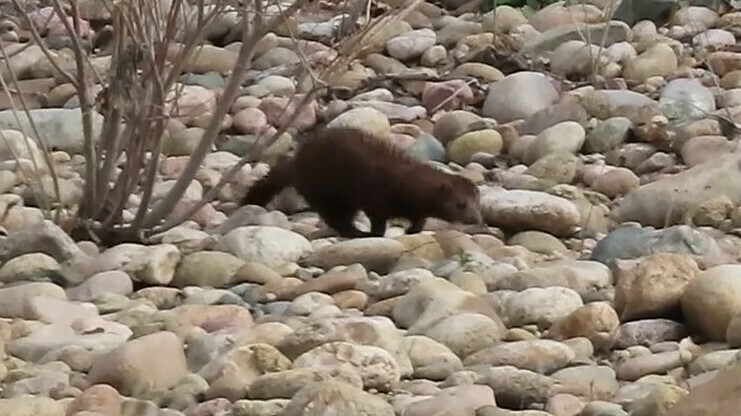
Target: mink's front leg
[(417, 225), (340, 220)]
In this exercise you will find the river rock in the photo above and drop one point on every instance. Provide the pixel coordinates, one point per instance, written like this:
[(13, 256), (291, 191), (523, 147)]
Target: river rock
[(710, 300), (632, 242), (268, 245), (343, 399), (652, 286), (374, 253), (62, 127), (666, 200), (529, 210), (141, 367), (685, 99), (518, 96)]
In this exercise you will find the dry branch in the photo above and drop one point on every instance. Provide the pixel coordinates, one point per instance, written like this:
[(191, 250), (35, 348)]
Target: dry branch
[(151, 47)]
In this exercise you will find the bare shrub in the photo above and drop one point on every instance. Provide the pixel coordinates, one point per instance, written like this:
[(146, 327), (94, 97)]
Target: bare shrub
[(152, 44)]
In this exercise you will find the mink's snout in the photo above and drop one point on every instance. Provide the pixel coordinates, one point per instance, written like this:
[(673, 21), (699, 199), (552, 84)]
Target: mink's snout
[(473, 216)]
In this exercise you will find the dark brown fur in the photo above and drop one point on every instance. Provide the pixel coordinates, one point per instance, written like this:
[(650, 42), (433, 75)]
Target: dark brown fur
[(341, 171)]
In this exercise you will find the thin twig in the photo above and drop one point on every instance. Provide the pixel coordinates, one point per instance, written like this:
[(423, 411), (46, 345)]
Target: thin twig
[(83, 94), (38, 41), (337, 64), (46, 150), (223, 104), (258, 148)]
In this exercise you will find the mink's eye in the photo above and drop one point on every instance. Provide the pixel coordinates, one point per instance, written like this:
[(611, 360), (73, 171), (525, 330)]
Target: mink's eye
[(460, 205)]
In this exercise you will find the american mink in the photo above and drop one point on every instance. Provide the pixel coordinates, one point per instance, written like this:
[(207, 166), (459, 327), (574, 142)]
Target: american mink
[(340, 171)]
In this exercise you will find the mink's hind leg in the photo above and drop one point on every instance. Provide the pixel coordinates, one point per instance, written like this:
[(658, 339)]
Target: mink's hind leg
[(417, 225), (340, 219), (378, 225)]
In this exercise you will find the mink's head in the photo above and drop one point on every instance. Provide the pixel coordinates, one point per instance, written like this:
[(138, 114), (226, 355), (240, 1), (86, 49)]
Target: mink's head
[(461, 201)]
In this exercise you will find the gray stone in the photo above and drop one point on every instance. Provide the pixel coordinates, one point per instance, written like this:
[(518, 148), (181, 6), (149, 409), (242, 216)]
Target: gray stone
[(62, 128), (633, 242), (608, 135), (686, 99), (667, 200), (427, 147), (550, 39), (519, 96), (44, 237)]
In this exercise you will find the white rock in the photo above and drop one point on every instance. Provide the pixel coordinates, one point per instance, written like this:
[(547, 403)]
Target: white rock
[(567, 136), (529, 210), (576, 58), (621, 52), (150, 264), (685, 99), (712, 299), (365, 118), (376, 366), (518, 96), (271, 246), (17, 301), (94, 334), (412, 44), (695, 16), (14, 144), (101, 284), (542, 306), (714, 37), (61, 127)]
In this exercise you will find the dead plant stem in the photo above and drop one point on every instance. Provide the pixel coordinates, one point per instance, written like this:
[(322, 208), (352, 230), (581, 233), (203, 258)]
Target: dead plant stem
[(246, 52)]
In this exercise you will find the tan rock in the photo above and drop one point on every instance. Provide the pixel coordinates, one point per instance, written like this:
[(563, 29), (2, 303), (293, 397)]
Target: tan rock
[(31, 406), (377, 367), (712, 299), (212, 317), (143, 367), (463, 147), (719, 396), (596, 321), (231, 374), (453, 400), (651, 287), (466, 333), (366, 330), (452, 124), (207, 269), (374, 253), (330, 283), (16, 301), (99, 398), (365, 118), (336, 397), (658, 60), (712, 212)]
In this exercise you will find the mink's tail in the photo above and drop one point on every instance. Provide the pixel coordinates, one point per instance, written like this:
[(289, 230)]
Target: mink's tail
[(280, 176)]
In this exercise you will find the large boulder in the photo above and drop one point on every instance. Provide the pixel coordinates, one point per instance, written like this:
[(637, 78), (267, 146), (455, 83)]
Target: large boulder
[(719, 396), (665, 201)]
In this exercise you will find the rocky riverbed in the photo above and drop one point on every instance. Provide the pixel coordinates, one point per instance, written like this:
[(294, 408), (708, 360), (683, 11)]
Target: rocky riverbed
[(606, 282)]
